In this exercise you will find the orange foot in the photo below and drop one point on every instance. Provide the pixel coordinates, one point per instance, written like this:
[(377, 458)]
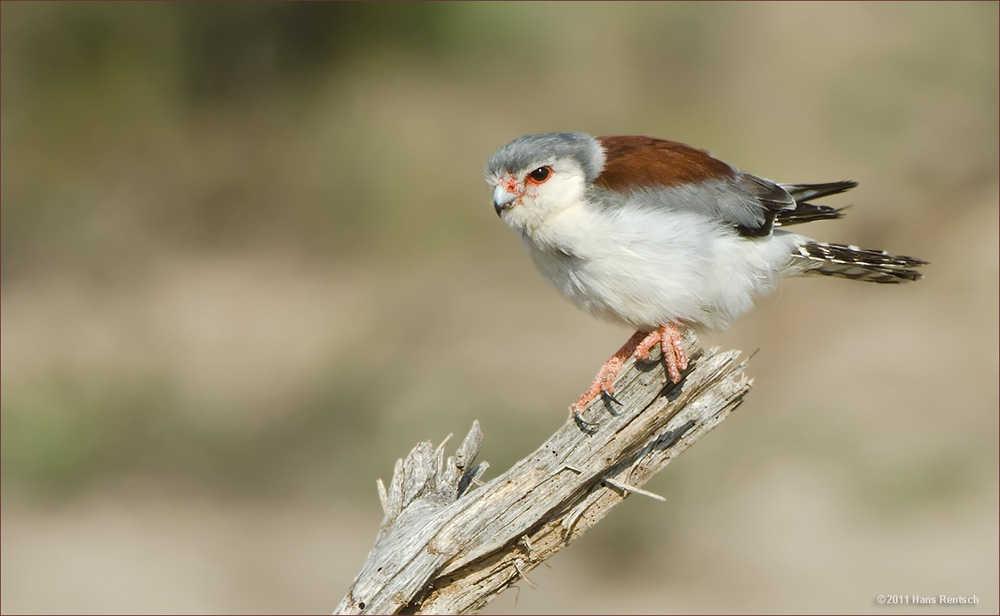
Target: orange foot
[(670, 341), (672, 344)]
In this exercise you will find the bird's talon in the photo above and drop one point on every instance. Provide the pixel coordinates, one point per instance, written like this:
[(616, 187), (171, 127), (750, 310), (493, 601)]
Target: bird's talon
[(610, 396), (578, 418)]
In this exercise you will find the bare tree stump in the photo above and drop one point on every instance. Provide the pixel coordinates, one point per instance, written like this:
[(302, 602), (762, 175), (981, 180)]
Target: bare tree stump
[(446, 546)]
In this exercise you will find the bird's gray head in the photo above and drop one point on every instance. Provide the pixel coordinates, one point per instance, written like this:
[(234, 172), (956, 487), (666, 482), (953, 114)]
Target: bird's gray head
[(537, 175)]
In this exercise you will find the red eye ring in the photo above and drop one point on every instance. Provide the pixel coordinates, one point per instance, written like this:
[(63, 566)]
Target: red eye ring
[(540, 175)]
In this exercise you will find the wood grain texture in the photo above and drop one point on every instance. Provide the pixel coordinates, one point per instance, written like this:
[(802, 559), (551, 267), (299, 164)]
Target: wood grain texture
[(448, 545)]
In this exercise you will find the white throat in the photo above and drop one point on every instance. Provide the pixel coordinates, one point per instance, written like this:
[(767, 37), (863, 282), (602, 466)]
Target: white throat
[(541, 203)]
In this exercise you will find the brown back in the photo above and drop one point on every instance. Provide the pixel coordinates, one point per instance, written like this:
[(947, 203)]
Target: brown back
[(635, 161)]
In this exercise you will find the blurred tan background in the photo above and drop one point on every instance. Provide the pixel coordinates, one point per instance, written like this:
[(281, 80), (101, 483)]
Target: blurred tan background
[(248, 260)]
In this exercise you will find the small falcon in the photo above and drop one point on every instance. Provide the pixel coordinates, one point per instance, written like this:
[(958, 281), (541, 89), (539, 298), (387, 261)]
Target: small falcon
[(657, 235)]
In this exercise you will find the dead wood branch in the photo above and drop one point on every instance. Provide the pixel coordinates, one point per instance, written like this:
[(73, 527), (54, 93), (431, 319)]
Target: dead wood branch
[(448, 545)]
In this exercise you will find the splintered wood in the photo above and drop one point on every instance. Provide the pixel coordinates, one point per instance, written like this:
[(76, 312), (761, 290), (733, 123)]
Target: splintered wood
[(448, 543)]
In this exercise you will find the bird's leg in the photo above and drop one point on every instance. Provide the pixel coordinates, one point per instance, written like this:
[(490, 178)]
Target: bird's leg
[(639, 345), (672, 343), (651, 340), (604, 382)]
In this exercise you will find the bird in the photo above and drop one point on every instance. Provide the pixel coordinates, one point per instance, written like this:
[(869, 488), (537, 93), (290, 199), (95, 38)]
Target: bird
[(659, 236)]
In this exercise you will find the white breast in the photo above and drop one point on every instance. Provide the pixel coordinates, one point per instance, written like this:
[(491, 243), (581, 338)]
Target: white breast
[(645, 266)]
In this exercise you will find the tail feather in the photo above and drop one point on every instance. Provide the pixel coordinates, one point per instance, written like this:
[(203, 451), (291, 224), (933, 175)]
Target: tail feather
[(807, 192), (856, 263), (809, 212)]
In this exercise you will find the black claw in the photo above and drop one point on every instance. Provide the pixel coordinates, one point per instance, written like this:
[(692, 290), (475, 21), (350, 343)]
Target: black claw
[(588, 426), (609, 396)]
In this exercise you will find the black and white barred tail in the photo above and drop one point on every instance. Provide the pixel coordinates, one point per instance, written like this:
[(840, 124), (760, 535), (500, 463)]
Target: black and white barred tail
[(856, 263)]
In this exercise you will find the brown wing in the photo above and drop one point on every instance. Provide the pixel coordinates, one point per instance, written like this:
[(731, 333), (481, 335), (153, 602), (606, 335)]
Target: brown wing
[(648, 162), (747, 202)]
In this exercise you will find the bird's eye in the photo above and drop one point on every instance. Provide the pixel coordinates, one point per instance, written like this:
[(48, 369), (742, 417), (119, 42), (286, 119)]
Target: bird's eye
[(539, 175)]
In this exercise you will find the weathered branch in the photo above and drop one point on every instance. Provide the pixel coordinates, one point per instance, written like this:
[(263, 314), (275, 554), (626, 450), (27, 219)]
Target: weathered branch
[(446, 546)]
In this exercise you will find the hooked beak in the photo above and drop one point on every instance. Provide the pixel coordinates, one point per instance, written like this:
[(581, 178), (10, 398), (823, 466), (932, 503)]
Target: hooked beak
[(502, 198)]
